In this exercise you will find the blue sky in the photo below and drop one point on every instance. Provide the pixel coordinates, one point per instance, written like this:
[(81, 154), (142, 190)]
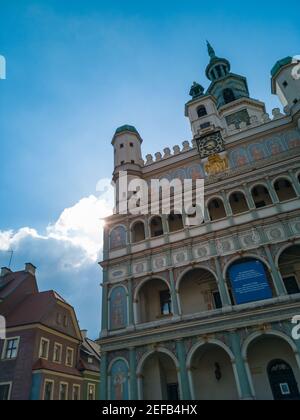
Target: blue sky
[(76, 71)]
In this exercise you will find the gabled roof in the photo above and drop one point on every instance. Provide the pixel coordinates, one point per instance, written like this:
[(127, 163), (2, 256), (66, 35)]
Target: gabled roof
[(33, 309), (12, 281)]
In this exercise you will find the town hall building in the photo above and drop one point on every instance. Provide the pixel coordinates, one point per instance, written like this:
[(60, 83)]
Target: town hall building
[(205, 311)]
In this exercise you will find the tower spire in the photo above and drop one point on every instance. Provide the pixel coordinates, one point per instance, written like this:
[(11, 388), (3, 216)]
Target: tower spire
[(211, 51)]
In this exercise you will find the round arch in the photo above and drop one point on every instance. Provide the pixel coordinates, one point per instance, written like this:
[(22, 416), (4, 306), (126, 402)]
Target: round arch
[(284, 248), (144, 358), (283, 177), (235, 191), (249, 340), (254, 256), (142, 364), (116, 360), (215, 197), (146, 280), (231, 360), (195, 267), (209, 341), (258, 184), (116, 286)]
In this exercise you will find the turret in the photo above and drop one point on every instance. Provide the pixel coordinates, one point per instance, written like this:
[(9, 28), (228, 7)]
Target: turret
[(127, 150), (286, 81)]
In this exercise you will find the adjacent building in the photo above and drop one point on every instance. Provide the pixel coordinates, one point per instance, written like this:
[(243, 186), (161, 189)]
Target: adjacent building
[(204, 312), (45, 356)]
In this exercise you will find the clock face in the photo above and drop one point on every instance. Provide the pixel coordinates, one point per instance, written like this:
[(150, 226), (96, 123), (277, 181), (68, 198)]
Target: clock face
[(210, 144)]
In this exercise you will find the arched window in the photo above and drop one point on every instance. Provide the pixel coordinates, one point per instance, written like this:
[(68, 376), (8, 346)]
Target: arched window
[(216, 209), (288, 264), (175, 222), (228, 95), (156, 227), (138, 232), (201, 111), (249, 280), (261, 196), (238, 203), (282, 380), (285, 190)]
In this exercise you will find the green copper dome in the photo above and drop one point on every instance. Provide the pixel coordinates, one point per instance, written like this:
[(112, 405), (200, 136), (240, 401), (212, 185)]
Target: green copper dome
[(127, 128), (281, 63), (217, 67)]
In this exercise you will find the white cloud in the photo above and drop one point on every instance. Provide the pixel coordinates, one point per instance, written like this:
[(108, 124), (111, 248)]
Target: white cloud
[(66, 255)]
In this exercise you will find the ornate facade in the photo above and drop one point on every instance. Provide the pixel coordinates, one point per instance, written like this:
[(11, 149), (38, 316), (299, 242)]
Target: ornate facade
[(174, 323)]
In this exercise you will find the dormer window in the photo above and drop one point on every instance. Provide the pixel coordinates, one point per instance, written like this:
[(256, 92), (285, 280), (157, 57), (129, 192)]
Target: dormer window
[(121, 146), (228, 95), (201, 111)]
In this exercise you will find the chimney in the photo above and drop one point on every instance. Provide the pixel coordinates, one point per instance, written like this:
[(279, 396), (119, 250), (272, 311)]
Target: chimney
[(84, 333), (30, 268), (5, 271)]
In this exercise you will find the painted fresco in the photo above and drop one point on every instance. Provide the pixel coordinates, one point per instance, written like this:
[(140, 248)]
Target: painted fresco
[(119, 381), (239, 157), (256, 151), (118, 237), (275, 146), (118, 308)]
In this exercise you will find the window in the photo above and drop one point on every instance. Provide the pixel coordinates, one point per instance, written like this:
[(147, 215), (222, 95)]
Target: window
[(76, 392), (44, 348), (90, 360), (291, 285), (48, 390), (201, 111), (217, 300), (285, 84), (295, 101), (121, 146), (122, 162), (57, 353), (10, 348), (65, 321), (261, 196), (228, 96), (58, 318), (133, 162), (156, 227), (138, 232), (131, 144), (205, 125), (5, 390), (63, 391), (165, 303), (285, 190), (91, 392), (69, 357)]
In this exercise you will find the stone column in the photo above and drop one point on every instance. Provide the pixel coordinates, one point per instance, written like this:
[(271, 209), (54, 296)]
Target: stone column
[(130, 303), (295, 182), (106, 244), (173, 292), (222, 284), (227, 206), (249, 198), (104, 309), (272, 191), (185, 386), (239, 368), (103, 377), (278, 282), (133, 378)]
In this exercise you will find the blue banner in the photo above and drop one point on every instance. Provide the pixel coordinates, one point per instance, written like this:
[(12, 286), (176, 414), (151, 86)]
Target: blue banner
[(249, 282)]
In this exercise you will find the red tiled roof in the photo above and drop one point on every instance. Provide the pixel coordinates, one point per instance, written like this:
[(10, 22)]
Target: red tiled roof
[(55, 367), (32, 309), (11, 281)]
